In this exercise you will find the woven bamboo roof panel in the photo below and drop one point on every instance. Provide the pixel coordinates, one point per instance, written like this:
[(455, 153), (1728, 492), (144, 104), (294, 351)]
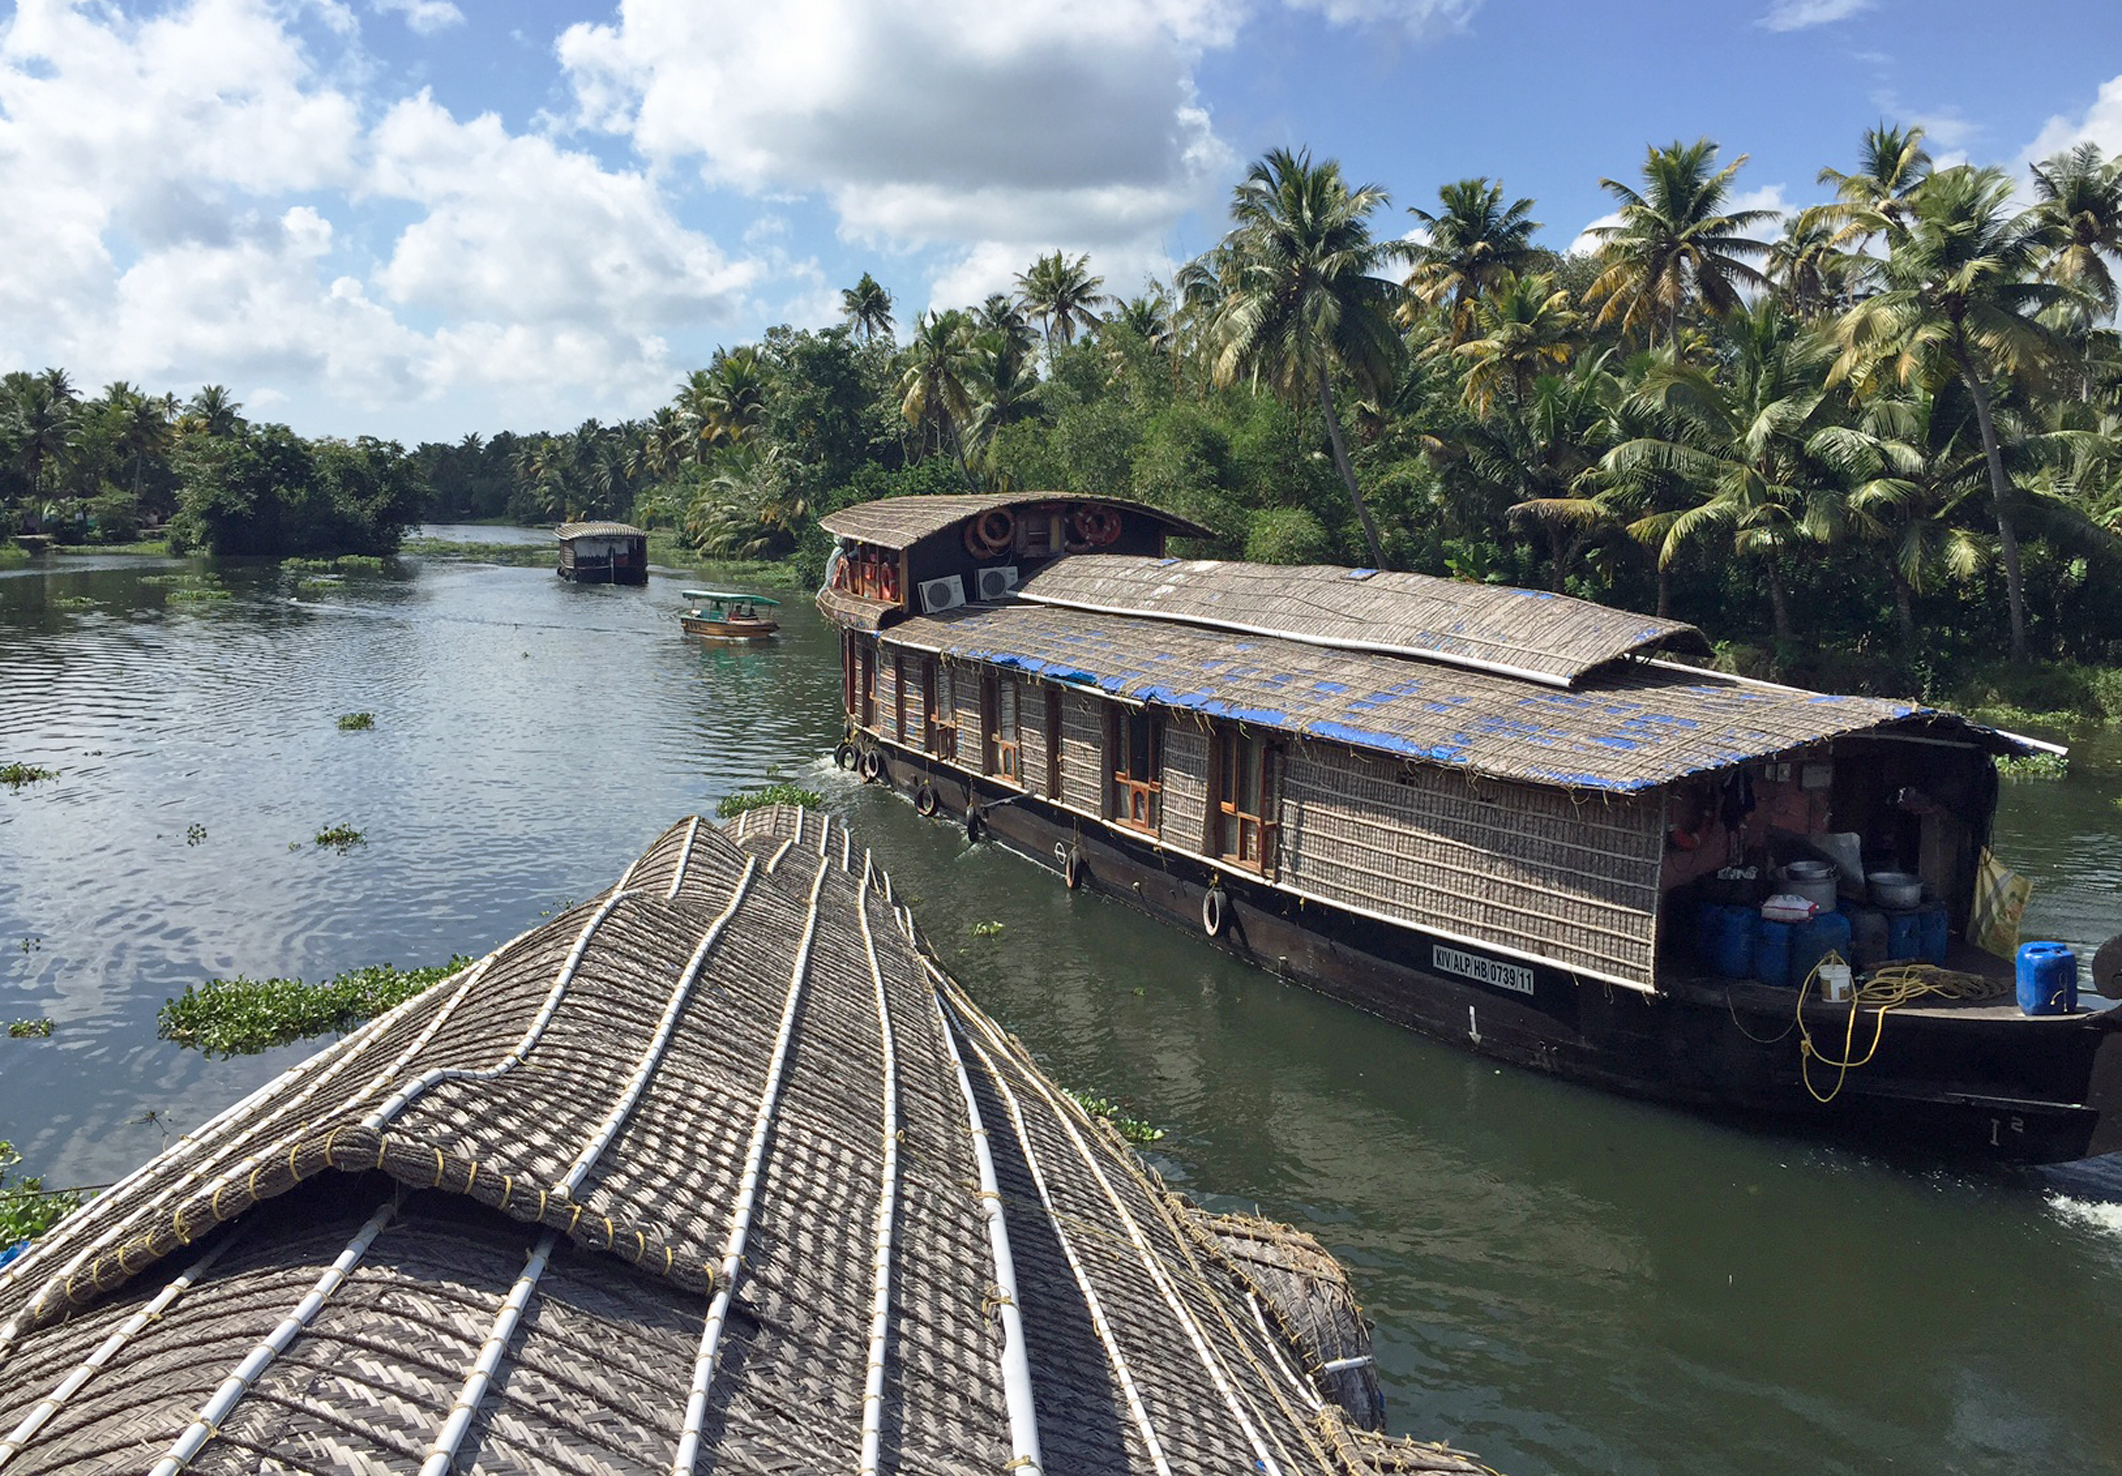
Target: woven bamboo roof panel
[(899, 522), (1635, 726), (1512, 632), (597, 530), (851, 610), (717, 1171)]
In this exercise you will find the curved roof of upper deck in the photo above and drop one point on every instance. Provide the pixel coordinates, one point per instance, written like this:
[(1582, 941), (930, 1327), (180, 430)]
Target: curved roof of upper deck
[(491, 1228), (1632, 725), (1522, 633), (597, 530), (900, 522)]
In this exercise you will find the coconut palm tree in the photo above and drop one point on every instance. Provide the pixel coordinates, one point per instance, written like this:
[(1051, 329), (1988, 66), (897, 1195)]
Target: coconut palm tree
[(1678, 243), (1809, 271), (143, 427), (1302, 300), (867, 307), (2081, 197), (41, 424), (1474, 242), (935, 393), (1523, 328), (1891, 164), (1063, 295), (1964, 300), (214, 412), (1540, 450)]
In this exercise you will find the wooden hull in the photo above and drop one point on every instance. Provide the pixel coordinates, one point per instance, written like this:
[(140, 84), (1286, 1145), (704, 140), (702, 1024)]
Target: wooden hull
[(728, 630), (1965, 1085)]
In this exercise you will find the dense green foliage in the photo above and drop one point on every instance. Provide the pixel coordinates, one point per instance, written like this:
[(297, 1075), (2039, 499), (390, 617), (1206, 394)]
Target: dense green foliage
[(733, 805), (27, 1208), (242, 1016)]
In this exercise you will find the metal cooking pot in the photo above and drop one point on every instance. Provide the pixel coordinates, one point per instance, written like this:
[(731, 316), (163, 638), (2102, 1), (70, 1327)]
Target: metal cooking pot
[(1896, 888)]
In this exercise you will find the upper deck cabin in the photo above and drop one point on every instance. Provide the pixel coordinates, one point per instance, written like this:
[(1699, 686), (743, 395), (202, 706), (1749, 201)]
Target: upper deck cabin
[(1527, 774)]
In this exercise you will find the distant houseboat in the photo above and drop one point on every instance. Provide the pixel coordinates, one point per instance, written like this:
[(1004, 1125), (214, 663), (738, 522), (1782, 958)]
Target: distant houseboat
[(1504, 818), (603, 553)]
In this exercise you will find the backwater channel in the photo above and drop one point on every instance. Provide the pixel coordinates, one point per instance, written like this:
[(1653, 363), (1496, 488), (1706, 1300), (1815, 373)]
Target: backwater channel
[(1562, 1281)]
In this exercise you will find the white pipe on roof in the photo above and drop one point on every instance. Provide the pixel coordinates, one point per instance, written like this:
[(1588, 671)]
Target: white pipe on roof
[(443, 1453), (880, 1307)]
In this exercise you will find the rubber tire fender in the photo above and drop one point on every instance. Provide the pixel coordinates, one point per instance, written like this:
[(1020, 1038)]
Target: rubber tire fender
[(974, 824), (925, 800), (1072, 868), (872, 765), (1215, 911), (846, 756)]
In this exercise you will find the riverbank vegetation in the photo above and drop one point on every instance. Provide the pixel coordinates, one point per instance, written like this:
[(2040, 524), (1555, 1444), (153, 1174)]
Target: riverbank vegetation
[(242, 1016), (1874, 444)]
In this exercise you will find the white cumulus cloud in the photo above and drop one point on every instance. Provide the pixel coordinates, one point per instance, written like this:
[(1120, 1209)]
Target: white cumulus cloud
[(2099, 124), (425, 16), (1799, 15)]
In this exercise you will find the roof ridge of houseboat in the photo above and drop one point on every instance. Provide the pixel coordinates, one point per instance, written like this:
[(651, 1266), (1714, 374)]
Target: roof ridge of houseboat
[(717, 1169)]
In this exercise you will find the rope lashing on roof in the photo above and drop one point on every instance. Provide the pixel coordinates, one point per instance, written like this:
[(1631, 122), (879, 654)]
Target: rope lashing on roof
[(334, 1059), (87, 1369), (887, 1199), (688, 1452), (1016, 1363), (236, 1385), (1122, 1373), (378, 1119), (652, 1057), (1195, 1333), (443, 1452)]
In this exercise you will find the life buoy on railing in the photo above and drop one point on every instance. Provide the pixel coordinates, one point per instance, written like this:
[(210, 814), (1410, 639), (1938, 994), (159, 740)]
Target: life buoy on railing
[(925, 800), (1072, 868), (888, 582), (872, 764), (1098, 526), (992, 533), (1215, 911), (846, 756)]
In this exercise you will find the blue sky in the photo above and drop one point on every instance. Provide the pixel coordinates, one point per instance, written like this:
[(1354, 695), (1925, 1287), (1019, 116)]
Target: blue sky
[(418, 218)]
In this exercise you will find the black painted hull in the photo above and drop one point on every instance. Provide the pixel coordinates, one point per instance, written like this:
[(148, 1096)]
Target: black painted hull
[(1998, 1087)]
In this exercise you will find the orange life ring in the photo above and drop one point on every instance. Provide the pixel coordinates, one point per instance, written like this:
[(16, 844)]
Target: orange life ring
[(991, 533), (1098, 526), (888, 580)]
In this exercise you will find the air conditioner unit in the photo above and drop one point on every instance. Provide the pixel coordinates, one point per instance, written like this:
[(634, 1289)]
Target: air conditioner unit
[(942, 594), (998, 582)]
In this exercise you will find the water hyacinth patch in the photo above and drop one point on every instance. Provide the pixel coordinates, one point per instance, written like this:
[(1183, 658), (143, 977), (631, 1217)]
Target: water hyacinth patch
[(340, 838), (242, 1016), (2034, 766), (14, 776), (356, 722), (733, 805), (37, 1029), (27, 1208)]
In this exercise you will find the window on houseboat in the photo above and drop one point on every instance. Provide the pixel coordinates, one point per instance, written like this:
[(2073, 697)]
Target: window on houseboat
[(1243, 816), (998, 712), (1138, 751)]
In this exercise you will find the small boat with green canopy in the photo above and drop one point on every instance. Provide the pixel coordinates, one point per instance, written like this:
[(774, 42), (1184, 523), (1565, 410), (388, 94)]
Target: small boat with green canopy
[(728, 616)]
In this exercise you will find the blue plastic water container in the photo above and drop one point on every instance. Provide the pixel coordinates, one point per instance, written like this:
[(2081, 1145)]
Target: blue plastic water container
[(1772, 951), (1734, 946), (1702, 933), (1904, 936), (1827, 933), (2048, 979), (1936, 936), (1867, 937)]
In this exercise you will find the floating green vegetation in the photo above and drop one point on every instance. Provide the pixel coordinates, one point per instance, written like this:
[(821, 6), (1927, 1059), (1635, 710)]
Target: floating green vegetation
[(75, 602), (242, 1016), (37, 1029), (194, 834), (27, 1208), (987, 930), (527, 554), (734, 805), (176, 578), (364, 563), (2034, 766), (14, 776), (200, 593), (356, 722), (1133, 1129), (341, 838), (314, 566)]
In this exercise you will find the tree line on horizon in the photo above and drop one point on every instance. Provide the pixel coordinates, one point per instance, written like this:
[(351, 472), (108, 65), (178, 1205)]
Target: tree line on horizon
[(1887, 425)]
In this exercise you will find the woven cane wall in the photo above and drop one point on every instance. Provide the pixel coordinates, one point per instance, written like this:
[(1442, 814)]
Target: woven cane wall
[(1082, 752), (1524, 868), (913, 703), (1031, 733), (1185, 778), (887, 691)]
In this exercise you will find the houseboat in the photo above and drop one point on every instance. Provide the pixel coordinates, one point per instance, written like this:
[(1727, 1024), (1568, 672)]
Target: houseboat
[(725, 616), (1504, 818), (602, 553), (718, 1171)]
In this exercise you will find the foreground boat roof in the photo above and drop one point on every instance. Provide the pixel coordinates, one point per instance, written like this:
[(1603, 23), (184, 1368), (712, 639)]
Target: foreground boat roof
[(1522, 633), (717, 1171), (1632, 726), (900, 522)]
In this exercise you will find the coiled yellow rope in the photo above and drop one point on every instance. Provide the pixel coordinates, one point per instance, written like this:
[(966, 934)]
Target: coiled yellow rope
[(1889, 987)]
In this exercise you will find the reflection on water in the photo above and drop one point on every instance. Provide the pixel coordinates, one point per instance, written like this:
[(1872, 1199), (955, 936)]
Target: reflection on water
[(1562, 1281)]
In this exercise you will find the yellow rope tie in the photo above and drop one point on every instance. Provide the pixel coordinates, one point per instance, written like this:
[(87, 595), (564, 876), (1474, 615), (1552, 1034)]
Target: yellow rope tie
[(472, 1178), (574, 1219), (541, 1205), (670, 1260), (508, 1189), (382, 1144), (611, 1233), (331, 1144), (292, 1150), (438, 1167), (176, 1225), (640, 1247)]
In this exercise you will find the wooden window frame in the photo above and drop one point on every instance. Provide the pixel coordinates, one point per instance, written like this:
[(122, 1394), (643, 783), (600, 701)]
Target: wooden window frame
[(1001, 757), (865, 678), (1229, 820), (1053, 742), (1132, 800), (899, 696)]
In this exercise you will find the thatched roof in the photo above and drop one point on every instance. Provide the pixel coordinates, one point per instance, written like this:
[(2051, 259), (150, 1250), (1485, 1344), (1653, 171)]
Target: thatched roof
[(1512, 632), (715, 1172), (597, 530), (898, 522), (1632, 726)]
